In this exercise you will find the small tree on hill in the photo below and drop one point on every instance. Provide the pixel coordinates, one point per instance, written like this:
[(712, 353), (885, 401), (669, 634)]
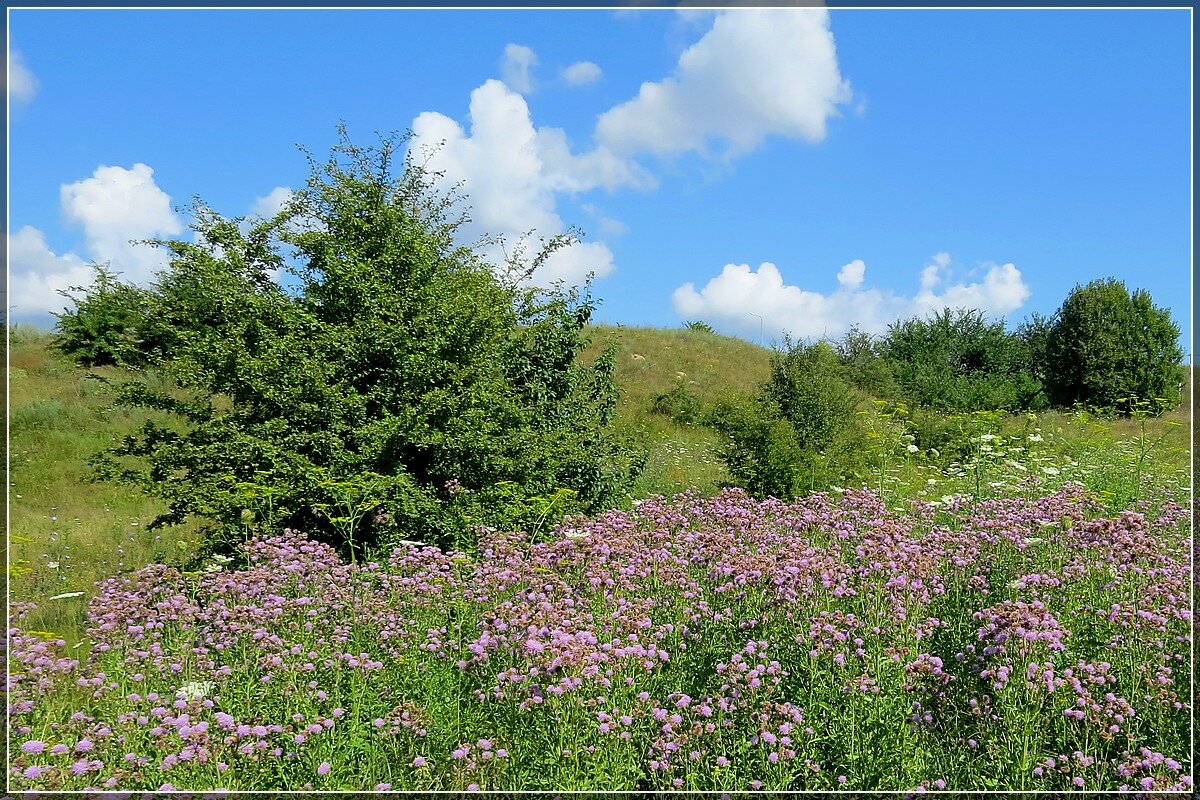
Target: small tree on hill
[(796, 434), (1106, 347), (346, 368)]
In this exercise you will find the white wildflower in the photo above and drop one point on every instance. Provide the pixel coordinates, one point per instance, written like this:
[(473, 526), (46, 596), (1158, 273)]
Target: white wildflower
[(1035, 437), (195, 690), (52, 564), (575, 533), (1050, 470), (912, 448), (67, 595), (1033, 540)]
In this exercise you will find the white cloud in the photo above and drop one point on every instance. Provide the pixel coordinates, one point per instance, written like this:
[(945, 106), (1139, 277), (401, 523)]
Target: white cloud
[(271, 203), (38, 274), (22, 83), (581, 73), (112, 207), (511, 173), (756, 73), (516, 67), (117, 205), (606, 225), (733, 298), (851, 275)]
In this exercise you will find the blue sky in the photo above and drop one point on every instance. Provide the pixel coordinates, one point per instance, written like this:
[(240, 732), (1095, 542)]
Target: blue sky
[(798, 167)]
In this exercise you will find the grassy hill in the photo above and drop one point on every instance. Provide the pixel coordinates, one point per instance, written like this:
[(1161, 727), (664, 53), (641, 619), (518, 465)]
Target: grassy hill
[(650, 361)]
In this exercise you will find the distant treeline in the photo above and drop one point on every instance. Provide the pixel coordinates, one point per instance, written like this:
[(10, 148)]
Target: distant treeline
[(1104, 349), (934, 382)]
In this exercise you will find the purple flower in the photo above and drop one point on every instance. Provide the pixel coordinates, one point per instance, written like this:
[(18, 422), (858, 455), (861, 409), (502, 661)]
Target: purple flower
[(34, 747), (323, 768)]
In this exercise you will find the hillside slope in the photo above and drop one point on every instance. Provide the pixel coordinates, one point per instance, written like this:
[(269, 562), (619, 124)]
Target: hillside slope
[(650, 361)]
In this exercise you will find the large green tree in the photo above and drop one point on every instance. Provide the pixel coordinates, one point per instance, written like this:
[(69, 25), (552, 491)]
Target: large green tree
[(348, 368), (1106, 347)]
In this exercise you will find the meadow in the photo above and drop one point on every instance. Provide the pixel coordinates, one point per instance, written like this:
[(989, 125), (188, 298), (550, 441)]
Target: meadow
[(1016, 616)]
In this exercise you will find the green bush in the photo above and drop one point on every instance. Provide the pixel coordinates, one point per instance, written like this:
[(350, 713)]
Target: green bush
[(760, 450), (863, 360), (1106, 348), (387, 370), (111, 323), (958, 361), (799, 433), (679, 404)]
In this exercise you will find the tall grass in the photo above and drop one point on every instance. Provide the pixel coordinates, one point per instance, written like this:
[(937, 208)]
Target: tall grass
[(66, 533)]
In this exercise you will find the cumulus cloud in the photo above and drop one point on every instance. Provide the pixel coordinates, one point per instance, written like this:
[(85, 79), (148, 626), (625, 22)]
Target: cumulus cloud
[(581, 73), (114, 207), (117, 206), (755, 74), (38, 274), (22, 83), (517, 67), (512, 173), (271, 203), (733, 298)]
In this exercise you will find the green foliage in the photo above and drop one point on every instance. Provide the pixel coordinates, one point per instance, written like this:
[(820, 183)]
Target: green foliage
[(388, 364), (679, 404), (112, 323), (810, 390), (863, 359), (699, 326), (798, 433), (1105, 346), (760, 451), (958, 361)]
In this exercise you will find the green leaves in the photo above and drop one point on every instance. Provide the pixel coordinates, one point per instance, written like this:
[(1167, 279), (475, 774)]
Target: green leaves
[(334, 367), (1106, 345)]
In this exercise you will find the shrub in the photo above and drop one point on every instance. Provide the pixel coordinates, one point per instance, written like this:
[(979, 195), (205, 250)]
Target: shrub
[(797, 434), (393, 367), (698, 326), (112, 323), (958, 361), (864, 364), (679, 404), (1106, 348)]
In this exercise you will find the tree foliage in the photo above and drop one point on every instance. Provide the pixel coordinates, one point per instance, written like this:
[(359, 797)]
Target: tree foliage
[(110, 323), (346, 367), (796, 434), (1106, 347), (956, 360)]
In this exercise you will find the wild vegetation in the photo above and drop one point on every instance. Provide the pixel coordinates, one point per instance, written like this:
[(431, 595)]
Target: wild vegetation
[(405, 523)]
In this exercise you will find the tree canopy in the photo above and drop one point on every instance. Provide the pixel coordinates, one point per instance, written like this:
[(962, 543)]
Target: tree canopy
[(346, 367)]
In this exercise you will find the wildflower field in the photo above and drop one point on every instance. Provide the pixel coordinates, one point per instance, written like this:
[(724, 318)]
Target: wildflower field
[(1011, 615), (1020, 642)]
